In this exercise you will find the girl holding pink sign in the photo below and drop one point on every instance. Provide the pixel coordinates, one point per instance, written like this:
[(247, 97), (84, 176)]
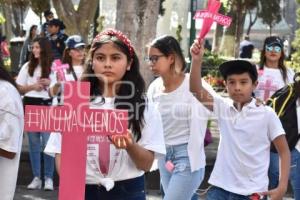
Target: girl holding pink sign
[(116, 164)]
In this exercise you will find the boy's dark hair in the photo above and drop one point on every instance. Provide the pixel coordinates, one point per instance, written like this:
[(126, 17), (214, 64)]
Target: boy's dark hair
[(132, 101), (168, 45), (238, 67)]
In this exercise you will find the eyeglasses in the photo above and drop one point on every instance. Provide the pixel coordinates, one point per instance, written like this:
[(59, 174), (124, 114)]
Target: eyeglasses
[(153, 59), (276, 49)]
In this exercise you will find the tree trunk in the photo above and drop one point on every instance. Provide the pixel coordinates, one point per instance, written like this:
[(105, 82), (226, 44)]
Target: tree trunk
[(138, 20), (217, 39), (76, 21)]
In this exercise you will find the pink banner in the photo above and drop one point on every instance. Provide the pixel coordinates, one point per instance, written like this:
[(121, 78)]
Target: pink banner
[(75, 120), (219, 18)]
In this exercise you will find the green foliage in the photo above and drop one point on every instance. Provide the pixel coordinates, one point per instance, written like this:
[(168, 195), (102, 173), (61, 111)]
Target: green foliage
[(296, 55), (295, 59), (100, 21), (270, 12), (211, 64), (178, 33)]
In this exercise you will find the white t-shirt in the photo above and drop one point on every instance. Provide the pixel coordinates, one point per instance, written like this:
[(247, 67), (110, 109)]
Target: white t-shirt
[(184, 118), (25, 79), (121, 166), (175, 111), (270, 80), (243, 155), (11, 135)]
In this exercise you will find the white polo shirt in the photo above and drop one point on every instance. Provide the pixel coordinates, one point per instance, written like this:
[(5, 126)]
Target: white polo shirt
[(244, 150)]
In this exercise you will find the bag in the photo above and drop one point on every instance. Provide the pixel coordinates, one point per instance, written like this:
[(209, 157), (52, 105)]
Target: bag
[(208, 137), (36, 101), (283, 102)]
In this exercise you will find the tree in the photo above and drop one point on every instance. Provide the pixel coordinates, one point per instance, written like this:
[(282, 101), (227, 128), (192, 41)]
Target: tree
[(237, 11), (77, 21), (296, 44), (270, 12), (138, 20), (14, 12)]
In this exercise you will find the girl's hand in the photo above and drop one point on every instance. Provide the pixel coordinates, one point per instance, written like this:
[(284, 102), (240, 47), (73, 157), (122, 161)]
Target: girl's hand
[(37, 87), (122, 141), (44, 81), (197, 50)]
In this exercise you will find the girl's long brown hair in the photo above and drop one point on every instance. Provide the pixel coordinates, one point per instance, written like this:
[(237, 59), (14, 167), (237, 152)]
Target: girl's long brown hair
[(45, 60)]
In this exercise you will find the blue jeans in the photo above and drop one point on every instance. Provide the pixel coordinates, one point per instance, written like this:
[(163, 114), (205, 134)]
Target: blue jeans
[(181, 183), (131, 189), (37, 143), (294, 172), (216, 193)]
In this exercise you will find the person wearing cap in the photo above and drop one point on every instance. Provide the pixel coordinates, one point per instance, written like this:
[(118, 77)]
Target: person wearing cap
[(74, 56), (274, 75), (56, 37), (272, 72), (247, 130), (48, 14)]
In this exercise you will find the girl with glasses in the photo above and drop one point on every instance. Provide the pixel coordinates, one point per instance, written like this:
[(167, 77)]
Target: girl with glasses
[(184, 120)]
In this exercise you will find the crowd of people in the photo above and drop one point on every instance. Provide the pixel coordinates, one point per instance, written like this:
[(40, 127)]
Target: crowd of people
[(167, 121)]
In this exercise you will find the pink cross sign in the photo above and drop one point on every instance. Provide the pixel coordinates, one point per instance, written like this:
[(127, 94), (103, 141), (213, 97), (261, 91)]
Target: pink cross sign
[(75, 120), (211, 15), (268, 87), (58, 67)]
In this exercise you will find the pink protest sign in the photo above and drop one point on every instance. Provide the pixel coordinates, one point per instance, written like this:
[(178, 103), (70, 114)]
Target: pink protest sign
[(75, 120), (58, 67), (211, 15)]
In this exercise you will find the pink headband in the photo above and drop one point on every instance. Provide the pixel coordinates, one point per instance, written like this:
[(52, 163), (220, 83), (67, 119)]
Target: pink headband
[(119, 35)]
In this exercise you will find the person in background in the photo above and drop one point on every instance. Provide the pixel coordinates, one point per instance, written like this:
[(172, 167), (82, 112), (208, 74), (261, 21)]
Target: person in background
[(11, 134), (33, 82), (56, 37), (27, 46), (272, 72), (184, 120), (48, 14), (246, 48)]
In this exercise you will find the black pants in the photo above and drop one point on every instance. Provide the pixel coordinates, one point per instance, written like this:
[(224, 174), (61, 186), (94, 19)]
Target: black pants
[(131, 189)]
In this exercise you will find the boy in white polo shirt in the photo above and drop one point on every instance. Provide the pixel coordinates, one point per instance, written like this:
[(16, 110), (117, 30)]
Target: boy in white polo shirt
[(246, 129)]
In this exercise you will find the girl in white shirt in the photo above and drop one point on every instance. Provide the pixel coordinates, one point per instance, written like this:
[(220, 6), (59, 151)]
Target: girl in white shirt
[(116, 83), (33, 82), (184, 120), (11, 134)]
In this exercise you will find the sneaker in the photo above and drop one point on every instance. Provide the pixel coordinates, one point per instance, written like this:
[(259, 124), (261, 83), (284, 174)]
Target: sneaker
[(36, 183), (48, 184)]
